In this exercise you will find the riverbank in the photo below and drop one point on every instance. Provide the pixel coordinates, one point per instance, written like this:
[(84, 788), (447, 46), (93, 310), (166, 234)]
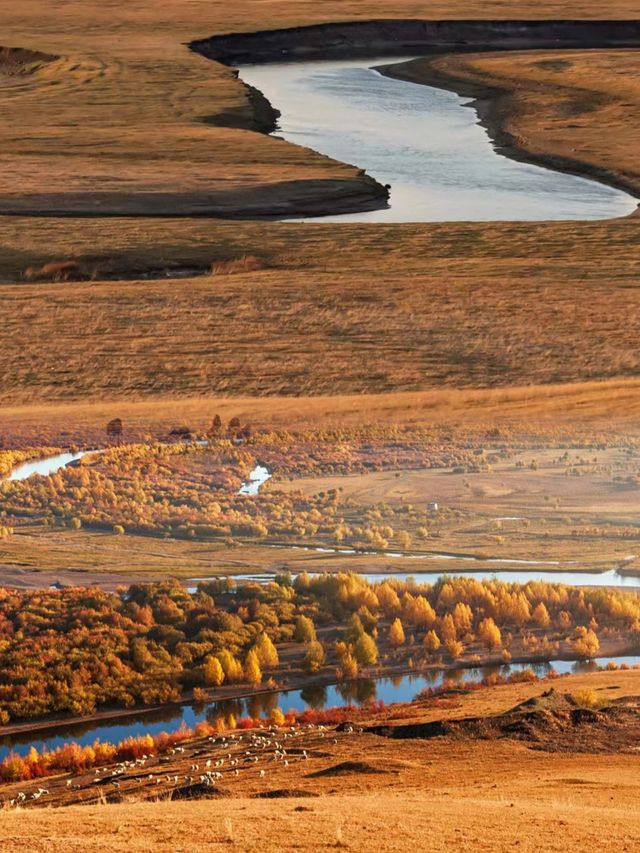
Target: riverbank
[(297, 684), (348, 39), (551, 108)]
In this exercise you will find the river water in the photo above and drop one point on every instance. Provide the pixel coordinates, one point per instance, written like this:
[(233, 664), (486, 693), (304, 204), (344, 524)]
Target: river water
[(402, 688), (424, 142), (609, 578), (45, 467)]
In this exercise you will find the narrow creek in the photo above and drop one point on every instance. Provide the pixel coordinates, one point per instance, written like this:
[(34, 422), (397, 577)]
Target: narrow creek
[(402, 688), (422, 141), (46, 466)]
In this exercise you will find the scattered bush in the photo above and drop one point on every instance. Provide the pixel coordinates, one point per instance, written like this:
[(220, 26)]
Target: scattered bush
[(247, 263)]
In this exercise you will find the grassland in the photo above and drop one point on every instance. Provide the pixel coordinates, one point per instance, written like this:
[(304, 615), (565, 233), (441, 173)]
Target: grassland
[(338, 309), (393, 309), (457, 305)]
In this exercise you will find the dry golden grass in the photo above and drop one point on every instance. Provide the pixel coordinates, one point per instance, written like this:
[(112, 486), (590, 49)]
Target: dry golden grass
[(247, 263), (121, 116), (391, 309), (432, 821), (589, 410), (342, 309)]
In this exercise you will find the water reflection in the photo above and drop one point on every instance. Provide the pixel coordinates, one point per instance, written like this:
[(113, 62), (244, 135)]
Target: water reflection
[(314, 696), (422, 141), (398, 688), (46, 467)]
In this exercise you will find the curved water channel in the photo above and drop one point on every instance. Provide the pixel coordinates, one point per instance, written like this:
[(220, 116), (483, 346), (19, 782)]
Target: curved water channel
[(402, 688), (47, 466), (424, 142)]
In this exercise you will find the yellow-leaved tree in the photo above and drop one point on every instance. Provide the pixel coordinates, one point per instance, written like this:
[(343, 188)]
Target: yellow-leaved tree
[(489, 633), (252, 671), (396, 633), (213, 672)]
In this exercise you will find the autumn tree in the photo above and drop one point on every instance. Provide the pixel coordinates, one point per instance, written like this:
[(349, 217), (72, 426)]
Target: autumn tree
[(354, 628), (419, 612), (396, 633), (489, 633), (252, 670), (388, 599), (585, 642), (365, 650), (267, 652), (431, 641), (404, 539), (454, 648), (448, 630), (305, 631), (231, 666), (314, 657), (462, 618), (348, 665), (540, 615), (213, 672)]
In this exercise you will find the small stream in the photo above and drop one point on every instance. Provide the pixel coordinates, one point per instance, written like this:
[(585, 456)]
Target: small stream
[(403, 688), (423, 141), (257, 478)]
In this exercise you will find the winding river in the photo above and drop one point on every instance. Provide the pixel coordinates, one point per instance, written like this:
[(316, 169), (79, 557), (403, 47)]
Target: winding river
[(400, 689), (47, 466), (423, 141)]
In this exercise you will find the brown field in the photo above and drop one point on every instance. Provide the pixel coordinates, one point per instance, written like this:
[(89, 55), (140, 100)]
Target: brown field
[(402, 312), (595, 411), (445, 792), (338, 309), (135, 113)]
